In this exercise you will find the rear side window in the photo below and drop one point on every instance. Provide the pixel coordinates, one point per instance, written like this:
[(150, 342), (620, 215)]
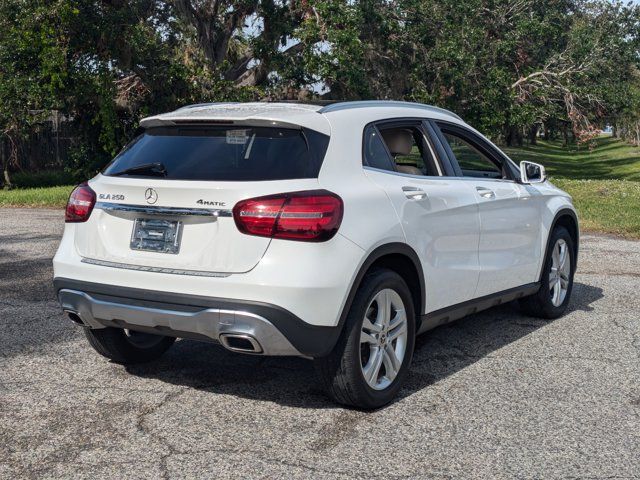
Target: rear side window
[(229, 153), (399, 147), (375, 153)]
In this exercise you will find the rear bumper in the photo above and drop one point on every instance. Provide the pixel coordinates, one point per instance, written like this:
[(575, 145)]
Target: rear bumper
[(309, 280), (271, 329)]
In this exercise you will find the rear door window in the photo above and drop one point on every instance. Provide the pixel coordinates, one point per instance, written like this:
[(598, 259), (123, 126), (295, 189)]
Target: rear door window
[(406, 144), (400, 146), (229, 153)]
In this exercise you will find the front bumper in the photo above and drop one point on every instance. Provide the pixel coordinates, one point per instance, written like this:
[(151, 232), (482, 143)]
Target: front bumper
[(261, 328)]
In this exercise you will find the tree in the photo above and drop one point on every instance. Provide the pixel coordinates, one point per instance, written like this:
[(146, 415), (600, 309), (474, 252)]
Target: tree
[(241, 39), (104, 64), (32, 74), (506, 66)]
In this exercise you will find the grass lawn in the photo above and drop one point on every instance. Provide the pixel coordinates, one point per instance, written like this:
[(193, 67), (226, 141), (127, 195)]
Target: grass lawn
[(36, 197), (609, 159), (607, 206), (604, 182)]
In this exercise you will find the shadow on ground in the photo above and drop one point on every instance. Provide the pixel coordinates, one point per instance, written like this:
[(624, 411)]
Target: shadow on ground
[(26, 279), (291, 381)]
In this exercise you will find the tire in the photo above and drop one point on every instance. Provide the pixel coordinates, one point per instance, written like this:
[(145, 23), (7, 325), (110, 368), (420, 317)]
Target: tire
[(342, 372), (128, 347), (542, 304)]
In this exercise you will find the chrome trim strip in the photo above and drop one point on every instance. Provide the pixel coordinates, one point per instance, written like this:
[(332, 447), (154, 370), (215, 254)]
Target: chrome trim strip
[(151, 210), (144, 268), (408, 175), (444, 177)]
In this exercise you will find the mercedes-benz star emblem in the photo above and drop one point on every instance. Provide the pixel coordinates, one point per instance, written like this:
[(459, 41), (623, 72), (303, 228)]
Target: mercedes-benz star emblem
[(151, 196)]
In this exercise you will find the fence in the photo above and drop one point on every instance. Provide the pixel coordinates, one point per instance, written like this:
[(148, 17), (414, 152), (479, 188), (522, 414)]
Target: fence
[(47, 147)]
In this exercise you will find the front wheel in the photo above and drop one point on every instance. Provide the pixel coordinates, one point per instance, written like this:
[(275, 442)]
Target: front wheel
[(368, 365), (556, 283)]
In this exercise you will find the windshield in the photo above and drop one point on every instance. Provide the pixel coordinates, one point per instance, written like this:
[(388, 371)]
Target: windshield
[(228, 153)]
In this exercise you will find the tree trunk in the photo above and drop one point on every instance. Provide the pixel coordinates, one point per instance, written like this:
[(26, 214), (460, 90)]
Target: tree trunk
[(215, 23), (7, 180), (565, 135), (512, 136), (533, 134), (614, 130), (519, 136), (552, 129), (508, 137), (4, 161)]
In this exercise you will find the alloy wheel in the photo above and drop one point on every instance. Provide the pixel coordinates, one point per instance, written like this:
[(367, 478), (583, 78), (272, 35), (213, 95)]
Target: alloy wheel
[(560, 272), (383, 339)]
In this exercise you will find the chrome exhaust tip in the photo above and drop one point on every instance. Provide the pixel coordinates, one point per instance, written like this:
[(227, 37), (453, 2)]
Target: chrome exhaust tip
[(240, 342), (75, 318)]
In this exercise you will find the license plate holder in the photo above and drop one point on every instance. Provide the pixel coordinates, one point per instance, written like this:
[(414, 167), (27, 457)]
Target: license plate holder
[(156, 235)]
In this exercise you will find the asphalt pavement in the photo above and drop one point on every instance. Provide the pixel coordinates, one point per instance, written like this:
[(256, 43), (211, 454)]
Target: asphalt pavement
[(495, 395)]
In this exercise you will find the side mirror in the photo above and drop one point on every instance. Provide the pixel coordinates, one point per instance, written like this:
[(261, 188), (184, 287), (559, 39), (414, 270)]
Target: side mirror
[(532, 173)]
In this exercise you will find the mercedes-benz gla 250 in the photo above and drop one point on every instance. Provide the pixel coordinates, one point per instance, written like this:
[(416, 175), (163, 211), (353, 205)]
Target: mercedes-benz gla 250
[(336, 233)]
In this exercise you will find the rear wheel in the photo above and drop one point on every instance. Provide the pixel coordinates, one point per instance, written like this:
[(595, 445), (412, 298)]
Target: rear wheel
[(128, 346), (552, 299), (368, 365)]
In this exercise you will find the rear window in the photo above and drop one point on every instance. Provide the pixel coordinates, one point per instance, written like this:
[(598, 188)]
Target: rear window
[(229, 153)]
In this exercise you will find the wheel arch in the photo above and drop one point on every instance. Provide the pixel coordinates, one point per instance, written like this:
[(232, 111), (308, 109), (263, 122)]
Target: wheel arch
[(400, 258), (567, 218)]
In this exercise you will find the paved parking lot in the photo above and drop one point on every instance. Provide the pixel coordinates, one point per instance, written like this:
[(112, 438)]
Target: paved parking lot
[(496, 395)]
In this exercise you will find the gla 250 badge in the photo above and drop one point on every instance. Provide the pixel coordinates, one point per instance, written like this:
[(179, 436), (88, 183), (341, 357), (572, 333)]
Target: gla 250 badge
[(111, 196)]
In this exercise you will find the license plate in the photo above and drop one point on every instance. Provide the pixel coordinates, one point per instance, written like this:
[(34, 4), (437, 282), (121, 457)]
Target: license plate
[(154, 235)]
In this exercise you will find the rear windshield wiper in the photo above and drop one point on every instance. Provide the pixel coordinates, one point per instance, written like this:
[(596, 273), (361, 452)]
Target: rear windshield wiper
[(156, 169)]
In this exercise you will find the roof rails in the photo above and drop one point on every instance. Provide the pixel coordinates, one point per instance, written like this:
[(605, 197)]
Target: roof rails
[(337, 105), (384, 103), (319, 103), (207, 104)]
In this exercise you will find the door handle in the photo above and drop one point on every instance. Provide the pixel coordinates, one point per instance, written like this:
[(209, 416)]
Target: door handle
[(414, 193), (485, 192)]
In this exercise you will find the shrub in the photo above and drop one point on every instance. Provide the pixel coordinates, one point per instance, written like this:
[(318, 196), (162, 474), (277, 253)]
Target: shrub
[(46, 178)]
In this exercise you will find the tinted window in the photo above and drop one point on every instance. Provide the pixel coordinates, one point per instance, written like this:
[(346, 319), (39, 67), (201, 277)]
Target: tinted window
[(223, 153), (409, 152), (472, 162), (375, 153)]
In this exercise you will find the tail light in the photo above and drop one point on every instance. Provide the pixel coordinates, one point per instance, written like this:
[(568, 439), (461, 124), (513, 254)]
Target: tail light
[(80, 204), (312, 216)]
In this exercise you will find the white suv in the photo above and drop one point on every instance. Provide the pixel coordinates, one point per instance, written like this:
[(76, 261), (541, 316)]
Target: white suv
[(336, 233)]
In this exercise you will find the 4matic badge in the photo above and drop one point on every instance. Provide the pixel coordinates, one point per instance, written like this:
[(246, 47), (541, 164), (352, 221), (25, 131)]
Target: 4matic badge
[(210, 203)]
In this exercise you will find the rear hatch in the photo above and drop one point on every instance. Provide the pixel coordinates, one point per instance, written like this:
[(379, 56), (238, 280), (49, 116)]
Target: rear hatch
[(166, 200)]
